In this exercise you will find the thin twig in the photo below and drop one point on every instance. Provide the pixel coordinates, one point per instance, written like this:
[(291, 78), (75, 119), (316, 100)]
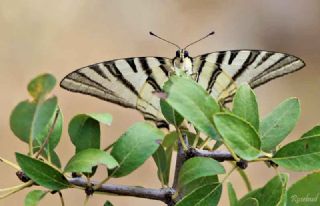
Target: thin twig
[(11, 164), (109, 147), (236, 158), (195, 143), (228, 174), (204, 143), (21, 187), (49, 134), (61, 198), (11, 188), (184, 146), (245, 179), (85, 202)]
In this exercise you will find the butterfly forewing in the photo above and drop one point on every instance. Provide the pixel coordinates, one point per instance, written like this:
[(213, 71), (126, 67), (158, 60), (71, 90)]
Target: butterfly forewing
[(221, 72), (126, 82)]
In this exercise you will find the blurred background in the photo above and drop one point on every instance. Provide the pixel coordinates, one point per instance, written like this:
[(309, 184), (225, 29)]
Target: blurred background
[(39, 36)]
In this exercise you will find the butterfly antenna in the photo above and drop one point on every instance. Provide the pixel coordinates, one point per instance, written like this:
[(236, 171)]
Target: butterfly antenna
[(211, 33), (152, 34)]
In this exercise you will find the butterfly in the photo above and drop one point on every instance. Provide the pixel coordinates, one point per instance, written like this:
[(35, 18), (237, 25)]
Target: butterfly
[(132, 82)]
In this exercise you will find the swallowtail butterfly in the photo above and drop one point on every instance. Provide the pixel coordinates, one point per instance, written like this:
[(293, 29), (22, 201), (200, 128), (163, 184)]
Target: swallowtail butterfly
[(131, 82)]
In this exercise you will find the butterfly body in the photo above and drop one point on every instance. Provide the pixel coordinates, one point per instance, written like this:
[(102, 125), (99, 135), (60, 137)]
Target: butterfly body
[(131, 82)]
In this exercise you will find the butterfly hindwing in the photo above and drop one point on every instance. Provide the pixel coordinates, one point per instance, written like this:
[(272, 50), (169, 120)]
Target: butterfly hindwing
[(221, 72)]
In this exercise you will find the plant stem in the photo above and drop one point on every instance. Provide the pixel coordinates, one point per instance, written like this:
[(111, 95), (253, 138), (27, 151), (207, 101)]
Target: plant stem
[(61, 198), (195, 143), (261, 159), (245, 179), (49, 134), (204, 143), (17, 189), (101, 183), (11, 164), (184, 146), (228, 174), (30, 145), (11, 188), (236, 158), (86, 200), (108, 147)]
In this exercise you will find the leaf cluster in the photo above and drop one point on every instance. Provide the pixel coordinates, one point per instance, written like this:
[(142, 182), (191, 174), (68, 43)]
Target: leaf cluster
[(200, 122)]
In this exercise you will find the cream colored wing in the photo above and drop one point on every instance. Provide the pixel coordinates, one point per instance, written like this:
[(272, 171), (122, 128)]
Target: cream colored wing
[(127, 82), (221, 72)]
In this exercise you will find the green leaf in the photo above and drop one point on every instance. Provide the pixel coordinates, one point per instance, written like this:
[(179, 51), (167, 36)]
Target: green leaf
[(315, 131), (33, 198), (40, 86), (305, 192), (250, 202), (245, 105), (54, 158), (249, 196), (300, 155), (232, 195), (134, 147), (172, 116), (239, 135), (84, 160), (161, 160), (200, 182), (108, 203), (207, 195), (273, 193), (198, 167), (192, 102), (171, 139), (103, 118), (42, 173), (279, 123), (34, 120), (84, 132)]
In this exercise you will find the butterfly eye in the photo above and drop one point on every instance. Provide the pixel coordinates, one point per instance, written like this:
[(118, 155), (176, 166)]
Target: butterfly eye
[(186, 54), (177, 53)]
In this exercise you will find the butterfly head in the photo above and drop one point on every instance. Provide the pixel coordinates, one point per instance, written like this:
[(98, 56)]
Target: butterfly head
[(182, 61), (181, 53)]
